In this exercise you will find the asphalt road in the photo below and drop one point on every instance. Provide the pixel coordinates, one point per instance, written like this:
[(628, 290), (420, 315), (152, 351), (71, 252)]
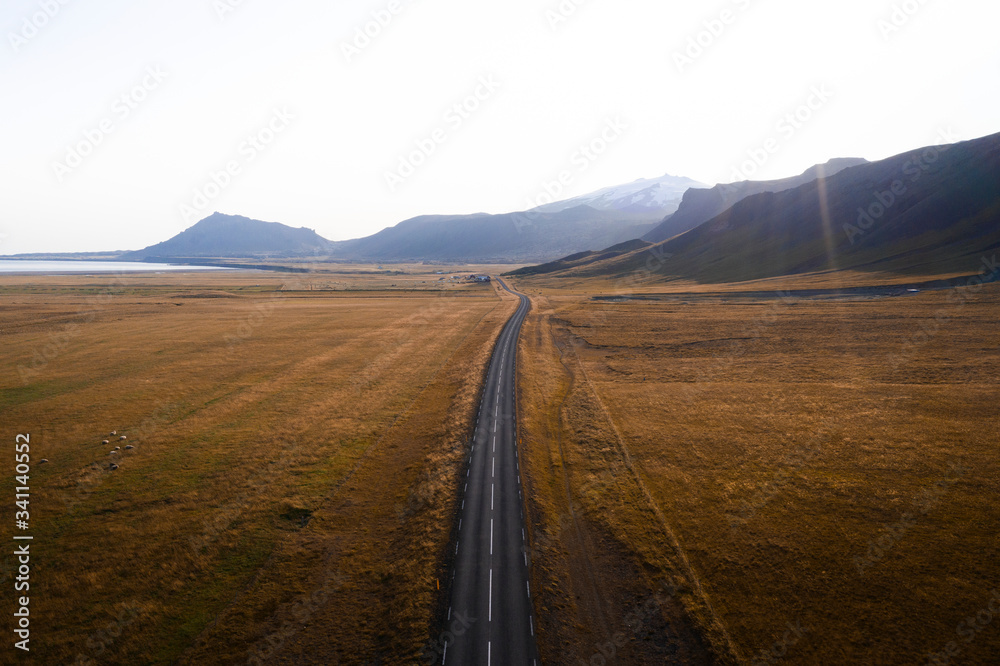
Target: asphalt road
[(490, 618)]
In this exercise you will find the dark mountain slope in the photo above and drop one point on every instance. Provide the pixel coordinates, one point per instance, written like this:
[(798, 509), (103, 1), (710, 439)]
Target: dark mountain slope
[(511, 237), (582, 258), (933, 210), (655, 197), (700, 205), (235, 236)]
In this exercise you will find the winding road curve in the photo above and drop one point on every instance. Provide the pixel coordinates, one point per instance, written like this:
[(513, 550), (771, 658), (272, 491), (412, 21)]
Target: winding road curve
[(490, 614)]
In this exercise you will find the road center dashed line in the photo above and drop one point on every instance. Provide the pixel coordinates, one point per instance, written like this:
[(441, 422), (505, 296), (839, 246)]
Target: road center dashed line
[(507, 340)]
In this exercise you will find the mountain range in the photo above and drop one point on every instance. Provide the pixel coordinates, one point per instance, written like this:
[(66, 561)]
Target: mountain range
[(235, 236), (931, 210), (655, 196), (606, 217), (478, 238), (700, 205), (934, 210), (509, 238)]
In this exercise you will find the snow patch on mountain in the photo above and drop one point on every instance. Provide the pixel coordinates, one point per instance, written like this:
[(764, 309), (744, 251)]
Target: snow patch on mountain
[(657, 196)]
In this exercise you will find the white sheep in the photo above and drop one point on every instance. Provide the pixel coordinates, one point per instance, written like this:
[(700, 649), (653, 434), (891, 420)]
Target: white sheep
[(113, 453), (104, 441), (43, 460), (114, 432), (129, 447), (118, 448), (122, 438), (113, 467)]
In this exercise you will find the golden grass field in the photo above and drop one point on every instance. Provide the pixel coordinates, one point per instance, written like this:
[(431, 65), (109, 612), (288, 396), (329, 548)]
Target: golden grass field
[(710, 476), (647, 282), (294, 472), (806, 480)]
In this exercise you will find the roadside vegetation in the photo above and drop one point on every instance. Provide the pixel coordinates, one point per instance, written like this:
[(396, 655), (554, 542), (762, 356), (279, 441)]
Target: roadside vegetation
[(292, 477), (814, 475)]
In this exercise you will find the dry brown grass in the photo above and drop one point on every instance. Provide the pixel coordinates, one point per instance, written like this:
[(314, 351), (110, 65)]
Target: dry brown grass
[(324, 275), (600, 592), (293, 481), (650, 283), (823, 463)]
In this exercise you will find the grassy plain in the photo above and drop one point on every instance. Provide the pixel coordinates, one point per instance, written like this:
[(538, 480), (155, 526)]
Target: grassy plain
[(646, 283), (816, 477), (290, 493)]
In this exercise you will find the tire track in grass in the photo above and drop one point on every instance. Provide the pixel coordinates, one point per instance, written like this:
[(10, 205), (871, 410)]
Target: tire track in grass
[(729, 645)]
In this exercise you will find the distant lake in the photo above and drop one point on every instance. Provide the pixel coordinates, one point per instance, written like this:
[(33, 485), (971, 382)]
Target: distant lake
[(60, 267)]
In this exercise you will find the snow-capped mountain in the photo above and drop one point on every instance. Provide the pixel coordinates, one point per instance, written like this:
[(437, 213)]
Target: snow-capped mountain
[(656, 196)]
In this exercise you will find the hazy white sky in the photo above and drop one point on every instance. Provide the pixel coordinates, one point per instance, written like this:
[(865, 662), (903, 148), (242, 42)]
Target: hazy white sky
[(124, 123)]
